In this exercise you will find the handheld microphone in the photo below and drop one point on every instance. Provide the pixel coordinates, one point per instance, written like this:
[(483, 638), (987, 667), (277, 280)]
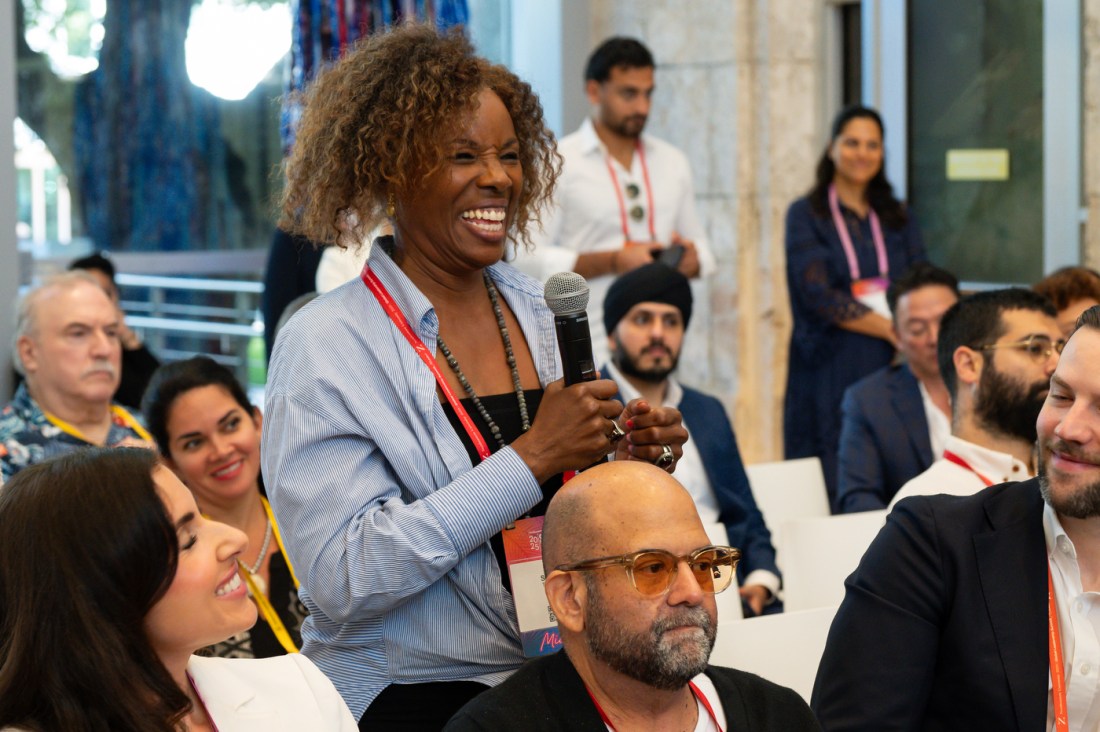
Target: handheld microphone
[(566, 295)]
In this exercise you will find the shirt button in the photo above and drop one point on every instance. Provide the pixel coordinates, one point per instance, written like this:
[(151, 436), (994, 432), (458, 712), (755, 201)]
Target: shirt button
[(1015, 468), (1085, 669), (1080, 607)]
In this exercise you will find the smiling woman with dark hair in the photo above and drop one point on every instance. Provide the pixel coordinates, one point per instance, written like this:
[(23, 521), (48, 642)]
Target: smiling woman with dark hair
[(846, 241), (110, 579), (415, 412)]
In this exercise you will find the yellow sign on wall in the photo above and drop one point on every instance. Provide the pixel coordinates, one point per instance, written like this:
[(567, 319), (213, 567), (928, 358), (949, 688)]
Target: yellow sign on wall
[(977, 164)]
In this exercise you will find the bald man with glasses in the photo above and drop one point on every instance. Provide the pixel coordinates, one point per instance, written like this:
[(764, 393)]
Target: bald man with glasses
[(997, 351), (631, 578)]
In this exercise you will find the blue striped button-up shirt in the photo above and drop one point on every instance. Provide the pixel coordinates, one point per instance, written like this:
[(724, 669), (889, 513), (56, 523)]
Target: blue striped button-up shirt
[(382, 513)]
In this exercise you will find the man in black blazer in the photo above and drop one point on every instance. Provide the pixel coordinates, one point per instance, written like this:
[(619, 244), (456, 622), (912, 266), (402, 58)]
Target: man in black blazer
[(885, 438), (636, 628), (944, 625), (646, 313)]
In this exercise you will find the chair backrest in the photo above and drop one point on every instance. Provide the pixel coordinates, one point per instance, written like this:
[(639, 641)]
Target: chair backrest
[(786, 490), (728, 602), (820, 553), (784, 648)]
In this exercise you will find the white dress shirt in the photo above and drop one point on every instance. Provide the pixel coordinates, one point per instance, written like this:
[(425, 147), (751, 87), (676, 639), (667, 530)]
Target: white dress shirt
[(944, 476), (585, 215), (939, 425), (1079, 625)]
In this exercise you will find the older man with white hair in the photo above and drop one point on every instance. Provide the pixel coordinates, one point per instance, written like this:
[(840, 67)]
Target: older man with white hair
[(67, 349)]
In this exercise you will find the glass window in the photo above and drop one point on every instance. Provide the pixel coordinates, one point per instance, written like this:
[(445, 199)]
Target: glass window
[(976, 95)]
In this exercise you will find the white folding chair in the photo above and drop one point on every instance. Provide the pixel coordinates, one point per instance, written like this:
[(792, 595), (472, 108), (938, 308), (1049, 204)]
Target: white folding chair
[(786, 490), (728, 602), (820, 553), (784, 648)]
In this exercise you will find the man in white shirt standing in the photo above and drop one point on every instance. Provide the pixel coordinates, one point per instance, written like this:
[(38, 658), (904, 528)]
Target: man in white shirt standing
[(623, 198), (997, 350), (982, 612)]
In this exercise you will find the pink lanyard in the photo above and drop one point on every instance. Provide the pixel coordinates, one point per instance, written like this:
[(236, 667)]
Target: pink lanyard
[(694, 690), (383, 296), (619, 193), (846, 238)]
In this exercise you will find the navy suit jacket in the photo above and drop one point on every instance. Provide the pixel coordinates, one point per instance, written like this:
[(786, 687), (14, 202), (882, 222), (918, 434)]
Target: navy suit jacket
[(710, 429), (944, 623), (883, 439)]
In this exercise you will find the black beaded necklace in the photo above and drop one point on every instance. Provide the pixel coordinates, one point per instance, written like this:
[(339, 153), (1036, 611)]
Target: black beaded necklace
[(511, 357)]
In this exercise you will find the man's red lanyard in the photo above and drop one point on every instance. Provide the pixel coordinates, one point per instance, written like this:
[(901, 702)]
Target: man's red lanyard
[(383, 296), (846, 238), (619, 193), (1054, 635), (953, 458), (694, 690)]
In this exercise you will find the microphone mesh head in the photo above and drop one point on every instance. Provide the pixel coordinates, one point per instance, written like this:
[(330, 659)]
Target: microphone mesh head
[(566, 292)]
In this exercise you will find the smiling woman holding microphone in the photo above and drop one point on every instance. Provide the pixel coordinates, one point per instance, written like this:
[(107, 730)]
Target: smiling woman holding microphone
[(416, 412), (846, 241)]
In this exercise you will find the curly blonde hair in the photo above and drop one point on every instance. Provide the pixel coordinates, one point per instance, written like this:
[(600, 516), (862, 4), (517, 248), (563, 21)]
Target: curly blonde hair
[(375, 125)]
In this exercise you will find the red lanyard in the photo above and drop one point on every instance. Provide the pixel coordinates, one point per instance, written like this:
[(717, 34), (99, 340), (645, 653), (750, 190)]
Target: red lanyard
[(694, 690), (953, 458), (1057, 663), (383, 296), (619, 193), (846, 238)]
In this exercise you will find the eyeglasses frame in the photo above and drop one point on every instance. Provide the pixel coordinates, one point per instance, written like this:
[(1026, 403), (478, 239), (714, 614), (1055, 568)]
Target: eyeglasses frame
[(626, 561), (1024, 344)]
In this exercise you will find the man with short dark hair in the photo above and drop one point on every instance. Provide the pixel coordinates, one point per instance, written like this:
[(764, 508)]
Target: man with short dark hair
[(894, 422), (980, 612), (631, 577), (997, 351), (623, 197), (646, 314)]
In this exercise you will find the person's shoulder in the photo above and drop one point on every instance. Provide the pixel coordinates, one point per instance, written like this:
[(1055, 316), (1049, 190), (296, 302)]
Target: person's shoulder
[(519, 702), (874, 383), (767, 705), (800, 207)]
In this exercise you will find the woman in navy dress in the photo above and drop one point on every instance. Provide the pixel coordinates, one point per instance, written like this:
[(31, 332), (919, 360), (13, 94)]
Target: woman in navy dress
[(846, 241)]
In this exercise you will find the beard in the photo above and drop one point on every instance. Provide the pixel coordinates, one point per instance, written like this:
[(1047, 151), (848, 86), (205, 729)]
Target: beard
[(1079, 502), (1008, 407), (628, 364), (630, 126), (649, 657)]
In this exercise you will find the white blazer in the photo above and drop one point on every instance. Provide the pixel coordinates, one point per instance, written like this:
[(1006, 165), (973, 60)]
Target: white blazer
[(269, 695)]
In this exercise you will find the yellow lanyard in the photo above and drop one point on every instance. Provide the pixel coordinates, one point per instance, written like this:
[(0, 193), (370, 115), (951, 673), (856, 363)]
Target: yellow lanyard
[(116, 410), (264, 605)]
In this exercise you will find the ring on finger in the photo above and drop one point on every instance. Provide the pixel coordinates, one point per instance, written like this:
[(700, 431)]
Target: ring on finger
[(665, 460), (616, 433)]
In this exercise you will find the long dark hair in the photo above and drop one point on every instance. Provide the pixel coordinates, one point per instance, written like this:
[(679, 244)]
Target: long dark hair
[(86, 549), (880, 194), (173, 380)]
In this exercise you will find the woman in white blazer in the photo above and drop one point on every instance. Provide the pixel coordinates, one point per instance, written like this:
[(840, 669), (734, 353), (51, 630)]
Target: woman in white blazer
[(110, 580)]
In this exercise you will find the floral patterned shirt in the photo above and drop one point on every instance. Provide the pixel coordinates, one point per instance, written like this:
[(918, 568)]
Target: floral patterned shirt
[(27, 437)]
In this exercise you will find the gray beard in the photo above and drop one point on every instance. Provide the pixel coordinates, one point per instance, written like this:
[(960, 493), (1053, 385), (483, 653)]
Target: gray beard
[(648, 657)]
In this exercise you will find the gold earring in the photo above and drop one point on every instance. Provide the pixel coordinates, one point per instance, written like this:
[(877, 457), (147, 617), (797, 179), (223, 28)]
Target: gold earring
[(391, 205)]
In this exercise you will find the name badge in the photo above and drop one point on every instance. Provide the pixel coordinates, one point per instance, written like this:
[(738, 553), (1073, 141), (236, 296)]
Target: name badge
[(538, 626), (871, 291)]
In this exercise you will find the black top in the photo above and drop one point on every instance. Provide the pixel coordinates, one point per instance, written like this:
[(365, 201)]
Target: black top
[(260, 640), (504, 409), (548, 695)]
